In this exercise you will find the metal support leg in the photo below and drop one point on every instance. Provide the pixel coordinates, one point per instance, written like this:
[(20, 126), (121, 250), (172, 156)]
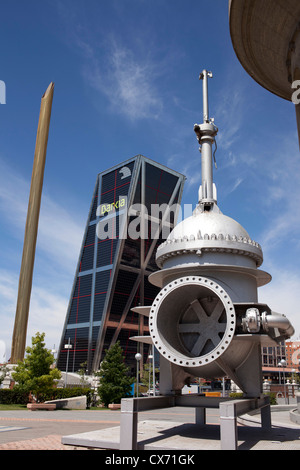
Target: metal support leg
[(128, 427), (229, 411), (228, 427), (200, 415), (265, 414), (130, 407), (229, 438)]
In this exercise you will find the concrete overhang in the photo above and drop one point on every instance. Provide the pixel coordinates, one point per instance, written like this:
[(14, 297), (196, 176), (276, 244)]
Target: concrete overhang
[(263, 35)]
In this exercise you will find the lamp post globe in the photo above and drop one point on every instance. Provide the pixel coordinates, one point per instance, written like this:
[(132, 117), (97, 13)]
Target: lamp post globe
[(138, 357)]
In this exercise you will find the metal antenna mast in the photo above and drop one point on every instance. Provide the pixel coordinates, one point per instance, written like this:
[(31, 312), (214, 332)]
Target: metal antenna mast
[(206, 133)]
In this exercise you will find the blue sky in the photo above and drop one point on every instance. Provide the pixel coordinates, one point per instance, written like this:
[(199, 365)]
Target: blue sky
[(126, 83)]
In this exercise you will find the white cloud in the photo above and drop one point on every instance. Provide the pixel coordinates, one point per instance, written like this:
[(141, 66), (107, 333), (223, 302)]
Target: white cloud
[(282, 295), (125, 75), (60, 234), (46, 314), (229, 111), (8, 296), (281, 200), (127, 81), (230, 189), (14, 192), (280, 204), (58, 243), (59, 231)]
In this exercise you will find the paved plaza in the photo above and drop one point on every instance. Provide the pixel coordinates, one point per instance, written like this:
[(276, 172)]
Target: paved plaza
[(43, 430)]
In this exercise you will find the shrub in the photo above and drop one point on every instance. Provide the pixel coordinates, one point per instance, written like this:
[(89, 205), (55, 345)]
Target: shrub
[(272, 396), (236, 395), (15, 396), (60, 393)]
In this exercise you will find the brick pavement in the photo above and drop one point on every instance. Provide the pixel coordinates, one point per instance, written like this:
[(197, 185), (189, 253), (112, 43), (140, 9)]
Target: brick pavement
[(53, 424), (51, 442)]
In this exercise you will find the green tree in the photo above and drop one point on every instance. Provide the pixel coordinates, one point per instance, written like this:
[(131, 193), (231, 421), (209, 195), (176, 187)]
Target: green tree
[(115, 382), (82, 371), (148, 371), (36, 373)]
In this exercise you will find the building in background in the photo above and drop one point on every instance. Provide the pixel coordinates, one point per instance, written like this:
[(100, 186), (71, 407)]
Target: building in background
[(288, 351), (293, 354), (116, 258)]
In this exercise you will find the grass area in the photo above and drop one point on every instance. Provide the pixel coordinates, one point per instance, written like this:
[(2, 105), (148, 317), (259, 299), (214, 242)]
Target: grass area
[(24, 407), (12, 407), (99, 408)]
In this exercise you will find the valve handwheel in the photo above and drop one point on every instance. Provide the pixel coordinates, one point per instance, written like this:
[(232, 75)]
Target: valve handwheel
[(202, 325)]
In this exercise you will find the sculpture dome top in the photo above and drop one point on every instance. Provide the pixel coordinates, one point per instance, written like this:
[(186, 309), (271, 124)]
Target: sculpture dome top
[(208, 224), (208, 232)]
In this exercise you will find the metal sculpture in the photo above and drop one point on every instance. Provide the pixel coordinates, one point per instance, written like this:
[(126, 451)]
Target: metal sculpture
[(206, 321)]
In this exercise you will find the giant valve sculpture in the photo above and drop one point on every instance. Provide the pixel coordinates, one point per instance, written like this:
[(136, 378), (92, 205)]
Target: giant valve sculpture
[(206, 320)]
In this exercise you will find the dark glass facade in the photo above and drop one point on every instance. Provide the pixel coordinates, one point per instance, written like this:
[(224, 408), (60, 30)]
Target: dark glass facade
[(116, 258)]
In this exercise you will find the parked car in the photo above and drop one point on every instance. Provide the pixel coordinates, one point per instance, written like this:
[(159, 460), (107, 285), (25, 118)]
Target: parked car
[(150, 392)]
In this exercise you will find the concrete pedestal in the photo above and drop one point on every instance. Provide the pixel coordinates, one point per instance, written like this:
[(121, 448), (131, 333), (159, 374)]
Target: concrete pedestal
[(146, 435), (295, 414), (229, 412)]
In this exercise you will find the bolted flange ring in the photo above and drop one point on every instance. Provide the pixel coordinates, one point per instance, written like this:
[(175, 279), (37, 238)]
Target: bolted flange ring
[(192, 321)]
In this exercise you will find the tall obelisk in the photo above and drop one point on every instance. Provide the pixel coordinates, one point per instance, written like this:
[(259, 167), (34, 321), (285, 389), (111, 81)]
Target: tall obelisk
[(31, 228)]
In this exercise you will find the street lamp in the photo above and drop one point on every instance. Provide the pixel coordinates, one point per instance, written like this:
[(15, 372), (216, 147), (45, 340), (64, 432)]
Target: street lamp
[(153, 364), (138, 357), (68, 347), (293, 377), (150, 357), (282, 364), (54, 351)]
